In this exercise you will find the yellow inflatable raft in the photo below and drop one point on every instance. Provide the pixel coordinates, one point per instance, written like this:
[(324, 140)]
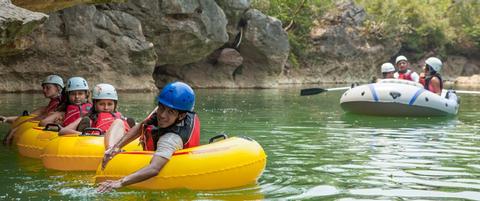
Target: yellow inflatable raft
[(77, 152), (229, 163), (21, 119), (32, 142)]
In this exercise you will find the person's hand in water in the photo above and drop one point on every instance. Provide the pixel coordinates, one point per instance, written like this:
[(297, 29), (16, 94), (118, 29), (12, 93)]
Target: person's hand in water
[(109, 185)]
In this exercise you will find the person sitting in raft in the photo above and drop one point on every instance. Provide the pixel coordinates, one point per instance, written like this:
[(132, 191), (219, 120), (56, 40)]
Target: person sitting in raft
[(77, 105), (387, 70), (178, 128), (52, 88), (103, 115), (433, 81), (404, 72)]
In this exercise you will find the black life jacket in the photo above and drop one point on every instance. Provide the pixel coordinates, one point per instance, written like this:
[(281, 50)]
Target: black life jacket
[(188, 129), (429, 78)]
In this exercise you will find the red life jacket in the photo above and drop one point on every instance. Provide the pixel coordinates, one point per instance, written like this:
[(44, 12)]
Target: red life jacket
[(75, 111), (53, 104), (103, 120), (189, 131), (405, 76)]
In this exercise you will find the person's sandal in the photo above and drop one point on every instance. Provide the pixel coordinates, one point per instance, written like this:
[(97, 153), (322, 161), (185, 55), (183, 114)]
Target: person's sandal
[(84, 123), (131, 122)]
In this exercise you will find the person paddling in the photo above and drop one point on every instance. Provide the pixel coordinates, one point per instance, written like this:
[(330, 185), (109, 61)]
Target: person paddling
[(52, 88), (404, 72), (176, 127)]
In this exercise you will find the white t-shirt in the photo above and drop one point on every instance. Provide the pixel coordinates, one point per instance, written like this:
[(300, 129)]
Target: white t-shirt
[(167, 145)]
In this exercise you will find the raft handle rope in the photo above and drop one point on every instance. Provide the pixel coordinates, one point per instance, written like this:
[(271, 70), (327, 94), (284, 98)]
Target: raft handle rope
[(221, 135), (91, 131), (56, 127)]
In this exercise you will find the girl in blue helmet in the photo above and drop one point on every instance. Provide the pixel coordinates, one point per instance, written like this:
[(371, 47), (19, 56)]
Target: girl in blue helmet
[(52, 88), (175, 126), (76, 106)]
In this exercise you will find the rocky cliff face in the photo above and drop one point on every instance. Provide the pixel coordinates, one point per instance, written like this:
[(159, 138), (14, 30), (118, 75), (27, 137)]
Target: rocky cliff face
[(100, 45), (123, 43), (206, 43), (342, 50)]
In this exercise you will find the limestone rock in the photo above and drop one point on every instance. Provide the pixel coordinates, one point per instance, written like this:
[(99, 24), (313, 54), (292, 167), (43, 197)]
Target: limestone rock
[(51, 6), (230, 57), (265, 50), (342, 48), (15, 25), (468, 81), (216, 71), (121, 43), (234, 10), (183, 31), (100, 45)]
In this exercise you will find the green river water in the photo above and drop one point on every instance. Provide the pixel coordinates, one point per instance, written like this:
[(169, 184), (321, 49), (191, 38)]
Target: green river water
[(315, 151)]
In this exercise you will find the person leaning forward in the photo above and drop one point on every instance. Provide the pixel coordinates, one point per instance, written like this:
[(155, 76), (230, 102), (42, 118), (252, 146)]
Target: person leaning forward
[(178, 128)]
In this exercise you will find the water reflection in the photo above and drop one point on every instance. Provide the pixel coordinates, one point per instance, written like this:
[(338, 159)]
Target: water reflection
[(315, 152)]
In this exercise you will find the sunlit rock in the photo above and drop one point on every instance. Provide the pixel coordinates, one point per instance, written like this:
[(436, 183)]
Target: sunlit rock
[(15, 25)]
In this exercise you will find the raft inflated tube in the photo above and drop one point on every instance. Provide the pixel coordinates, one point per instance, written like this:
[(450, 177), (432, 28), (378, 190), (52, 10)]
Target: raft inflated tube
[(77, 152), (228, 163), (32, 143), (21, 119), (393, 97)]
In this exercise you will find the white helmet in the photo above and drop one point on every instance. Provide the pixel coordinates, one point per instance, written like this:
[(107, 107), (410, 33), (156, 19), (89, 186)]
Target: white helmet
[(104, 91), (53, 79), (77, 84), (435, 63), (387, 67), (400, 58)]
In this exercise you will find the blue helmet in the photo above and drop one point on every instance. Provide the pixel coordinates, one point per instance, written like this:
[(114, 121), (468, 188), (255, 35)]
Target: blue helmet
[(178, 96)]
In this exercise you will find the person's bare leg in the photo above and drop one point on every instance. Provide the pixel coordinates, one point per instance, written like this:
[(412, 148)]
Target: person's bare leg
[(9, 137), (114, 133)]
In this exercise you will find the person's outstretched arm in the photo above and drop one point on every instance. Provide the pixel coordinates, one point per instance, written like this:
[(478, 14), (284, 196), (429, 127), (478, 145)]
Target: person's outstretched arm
[(166, 146), (156, 164)]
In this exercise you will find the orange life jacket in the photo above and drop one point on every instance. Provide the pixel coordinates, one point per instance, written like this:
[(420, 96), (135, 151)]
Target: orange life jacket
[(75, 111), (189, 131)]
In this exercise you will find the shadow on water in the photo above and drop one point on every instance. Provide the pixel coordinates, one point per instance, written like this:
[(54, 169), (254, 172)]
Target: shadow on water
[(356, 120)]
